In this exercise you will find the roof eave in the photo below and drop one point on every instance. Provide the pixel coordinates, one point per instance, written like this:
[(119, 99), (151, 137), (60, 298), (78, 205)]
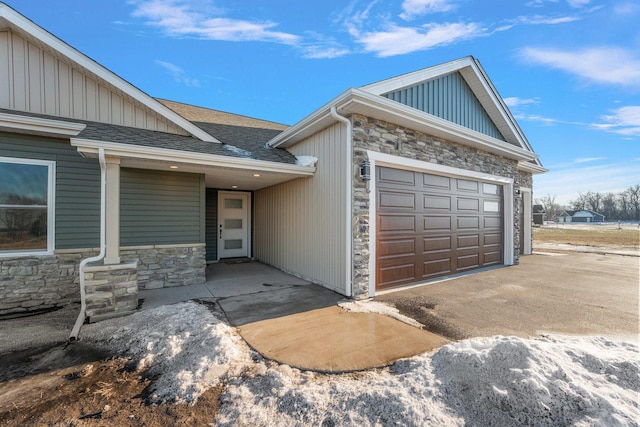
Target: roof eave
[(90, 147), (39, 126), (532, 168)]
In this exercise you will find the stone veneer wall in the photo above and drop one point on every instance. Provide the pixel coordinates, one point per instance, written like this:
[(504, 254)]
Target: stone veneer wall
[(111, 290), (377, 135), (29, 283)]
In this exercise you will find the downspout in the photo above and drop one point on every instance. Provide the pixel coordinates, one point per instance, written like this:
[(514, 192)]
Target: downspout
[(349, 208), (83, 303)]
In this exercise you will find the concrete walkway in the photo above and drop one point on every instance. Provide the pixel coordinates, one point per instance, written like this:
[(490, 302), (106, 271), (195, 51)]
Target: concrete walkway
[(298, 323)]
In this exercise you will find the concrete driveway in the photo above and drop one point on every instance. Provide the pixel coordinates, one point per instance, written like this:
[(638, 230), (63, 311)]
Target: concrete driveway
[(586, 294)]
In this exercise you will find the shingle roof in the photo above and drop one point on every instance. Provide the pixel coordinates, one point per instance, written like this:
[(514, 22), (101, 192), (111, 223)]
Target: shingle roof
[(238, 141)]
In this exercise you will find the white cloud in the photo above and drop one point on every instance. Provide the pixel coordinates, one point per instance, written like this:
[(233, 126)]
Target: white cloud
[(178, 74), (546, 20), (605, 65), (324, 51), (398, 40), (413, 8), (186, 18), (580, 160), (578, 3), (514, 101), (623, 121)]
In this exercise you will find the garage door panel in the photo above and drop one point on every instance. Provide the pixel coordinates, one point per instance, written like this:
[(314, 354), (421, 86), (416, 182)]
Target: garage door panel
[(436, 202), (396, 275), (396, 176), (494, 257), (435, 181), (397, 248), (436, 268), (467, 262), (467, 186), (396, 223), (437, 223), (471, 241), (389, 199), (456, 225), (468, 222), (436, 244)]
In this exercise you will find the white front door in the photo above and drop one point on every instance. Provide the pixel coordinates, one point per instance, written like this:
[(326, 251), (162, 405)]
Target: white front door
[(233, 224)]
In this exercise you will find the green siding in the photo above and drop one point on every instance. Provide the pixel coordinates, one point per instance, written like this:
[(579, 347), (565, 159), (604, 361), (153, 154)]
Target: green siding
[(159, 208), (212, 224), (450, 98), (77, 197)]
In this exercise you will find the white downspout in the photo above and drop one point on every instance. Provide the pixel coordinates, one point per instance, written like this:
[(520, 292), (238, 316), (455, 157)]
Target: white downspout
[(349, 209), (83, 303)]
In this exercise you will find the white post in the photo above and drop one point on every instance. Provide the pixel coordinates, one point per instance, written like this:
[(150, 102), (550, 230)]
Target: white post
[(113, 211)]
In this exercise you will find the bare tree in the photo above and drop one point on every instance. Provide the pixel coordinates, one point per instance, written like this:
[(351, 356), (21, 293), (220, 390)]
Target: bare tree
[(593, 201), (551, 207), (633, 194), (580, 203)]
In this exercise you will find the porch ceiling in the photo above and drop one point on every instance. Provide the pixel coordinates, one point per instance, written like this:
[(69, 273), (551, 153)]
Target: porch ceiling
[(224, 178)]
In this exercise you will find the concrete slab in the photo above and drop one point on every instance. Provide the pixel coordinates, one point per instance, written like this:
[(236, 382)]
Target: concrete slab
[(334, 340), (276, 301), (154, 298)]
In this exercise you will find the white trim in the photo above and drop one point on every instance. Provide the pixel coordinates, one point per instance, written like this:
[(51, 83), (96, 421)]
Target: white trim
[(531, 168), (15, 19), (349, 202), (380, 159), (357, 101), (247, 209), (51, 206), (37, 125), (527, 219), (90, 147)]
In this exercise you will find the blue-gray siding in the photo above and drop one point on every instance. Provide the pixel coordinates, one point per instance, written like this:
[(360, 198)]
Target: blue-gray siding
[(211, 232), (77, 196), (158, 208), (450, 98)]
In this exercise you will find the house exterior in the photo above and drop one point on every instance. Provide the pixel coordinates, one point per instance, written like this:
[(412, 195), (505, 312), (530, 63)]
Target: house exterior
[(538, 214), (106, 190), (580, 216)]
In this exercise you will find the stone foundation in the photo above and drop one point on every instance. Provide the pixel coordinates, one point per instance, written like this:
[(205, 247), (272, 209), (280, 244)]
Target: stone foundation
[(30, 283), (164, 266), (111, 290)]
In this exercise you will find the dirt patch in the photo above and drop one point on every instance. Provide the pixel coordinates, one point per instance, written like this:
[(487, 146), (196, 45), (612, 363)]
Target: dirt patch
[(424, 310), (103, 393), (611, 236)]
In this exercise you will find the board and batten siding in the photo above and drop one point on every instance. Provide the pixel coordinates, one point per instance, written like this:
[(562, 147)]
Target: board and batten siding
[(300, 224), (77, 197), (450, 98), (34, 80), (161, 208)]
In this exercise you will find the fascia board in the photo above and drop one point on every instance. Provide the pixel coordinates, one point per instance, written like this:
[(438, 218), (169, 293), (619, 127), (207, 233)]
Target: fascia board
[(17, 20), (402, 81), (395, 112), (532, 168), (90, 147), (37, 125)]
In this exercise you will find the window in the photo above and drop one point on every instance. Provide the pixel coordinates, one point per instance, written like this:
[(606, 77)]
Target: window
[(26, 206)]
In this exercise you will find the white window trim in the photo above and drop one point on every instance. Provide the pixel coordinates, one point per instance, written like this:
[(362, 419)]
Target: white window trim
[(51, 204), (381, 159)]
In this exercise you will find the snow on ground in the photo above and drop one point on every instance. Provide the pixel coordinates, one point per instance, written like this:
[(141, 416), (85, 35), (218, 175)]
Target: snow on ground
[(370, 306), (553, 380), (184, 346)]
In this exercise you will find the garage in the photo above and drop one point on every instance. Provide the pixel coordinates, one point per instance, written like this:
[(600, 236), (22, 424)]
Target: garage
[(430, 226)]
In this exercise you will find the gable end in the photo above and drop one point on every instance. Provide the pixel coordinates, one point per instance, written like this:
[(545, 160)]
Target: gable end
[(450, 98)]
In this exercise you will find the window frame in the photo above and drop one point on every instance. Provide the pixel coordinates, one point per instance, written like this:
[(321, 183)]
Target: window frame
[(51, 192)]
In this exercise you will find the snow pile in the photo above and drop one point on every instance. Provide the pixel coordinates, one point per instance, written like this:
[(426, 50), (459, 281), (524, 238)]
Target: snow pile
[(370, 306), (306, 160), (183, 347), (485, 381), (236, 150)]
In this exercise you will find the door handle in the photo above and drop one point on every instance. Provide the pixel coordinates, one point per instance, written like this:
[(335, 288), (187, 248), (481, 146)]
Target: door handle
[(221, 231)]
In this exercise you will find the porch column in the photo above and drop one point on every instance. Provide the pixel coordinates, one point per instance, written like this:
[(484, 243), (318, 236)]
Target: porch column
[(112, 235)]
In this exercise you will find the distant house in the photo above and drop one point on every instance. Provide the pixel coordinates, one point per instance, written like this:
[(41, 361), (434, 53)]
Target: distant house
[(538, 214), (580, 216)]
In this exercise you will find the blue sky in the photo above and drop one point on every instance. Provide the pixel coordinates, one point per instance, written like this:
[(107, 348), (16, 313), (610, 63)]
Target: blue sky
[(568, 69)]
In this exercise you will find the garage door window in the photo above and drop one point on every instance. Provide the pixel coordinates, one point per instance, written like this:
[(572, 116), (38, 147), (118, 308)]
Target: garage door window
[(26, 206)]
